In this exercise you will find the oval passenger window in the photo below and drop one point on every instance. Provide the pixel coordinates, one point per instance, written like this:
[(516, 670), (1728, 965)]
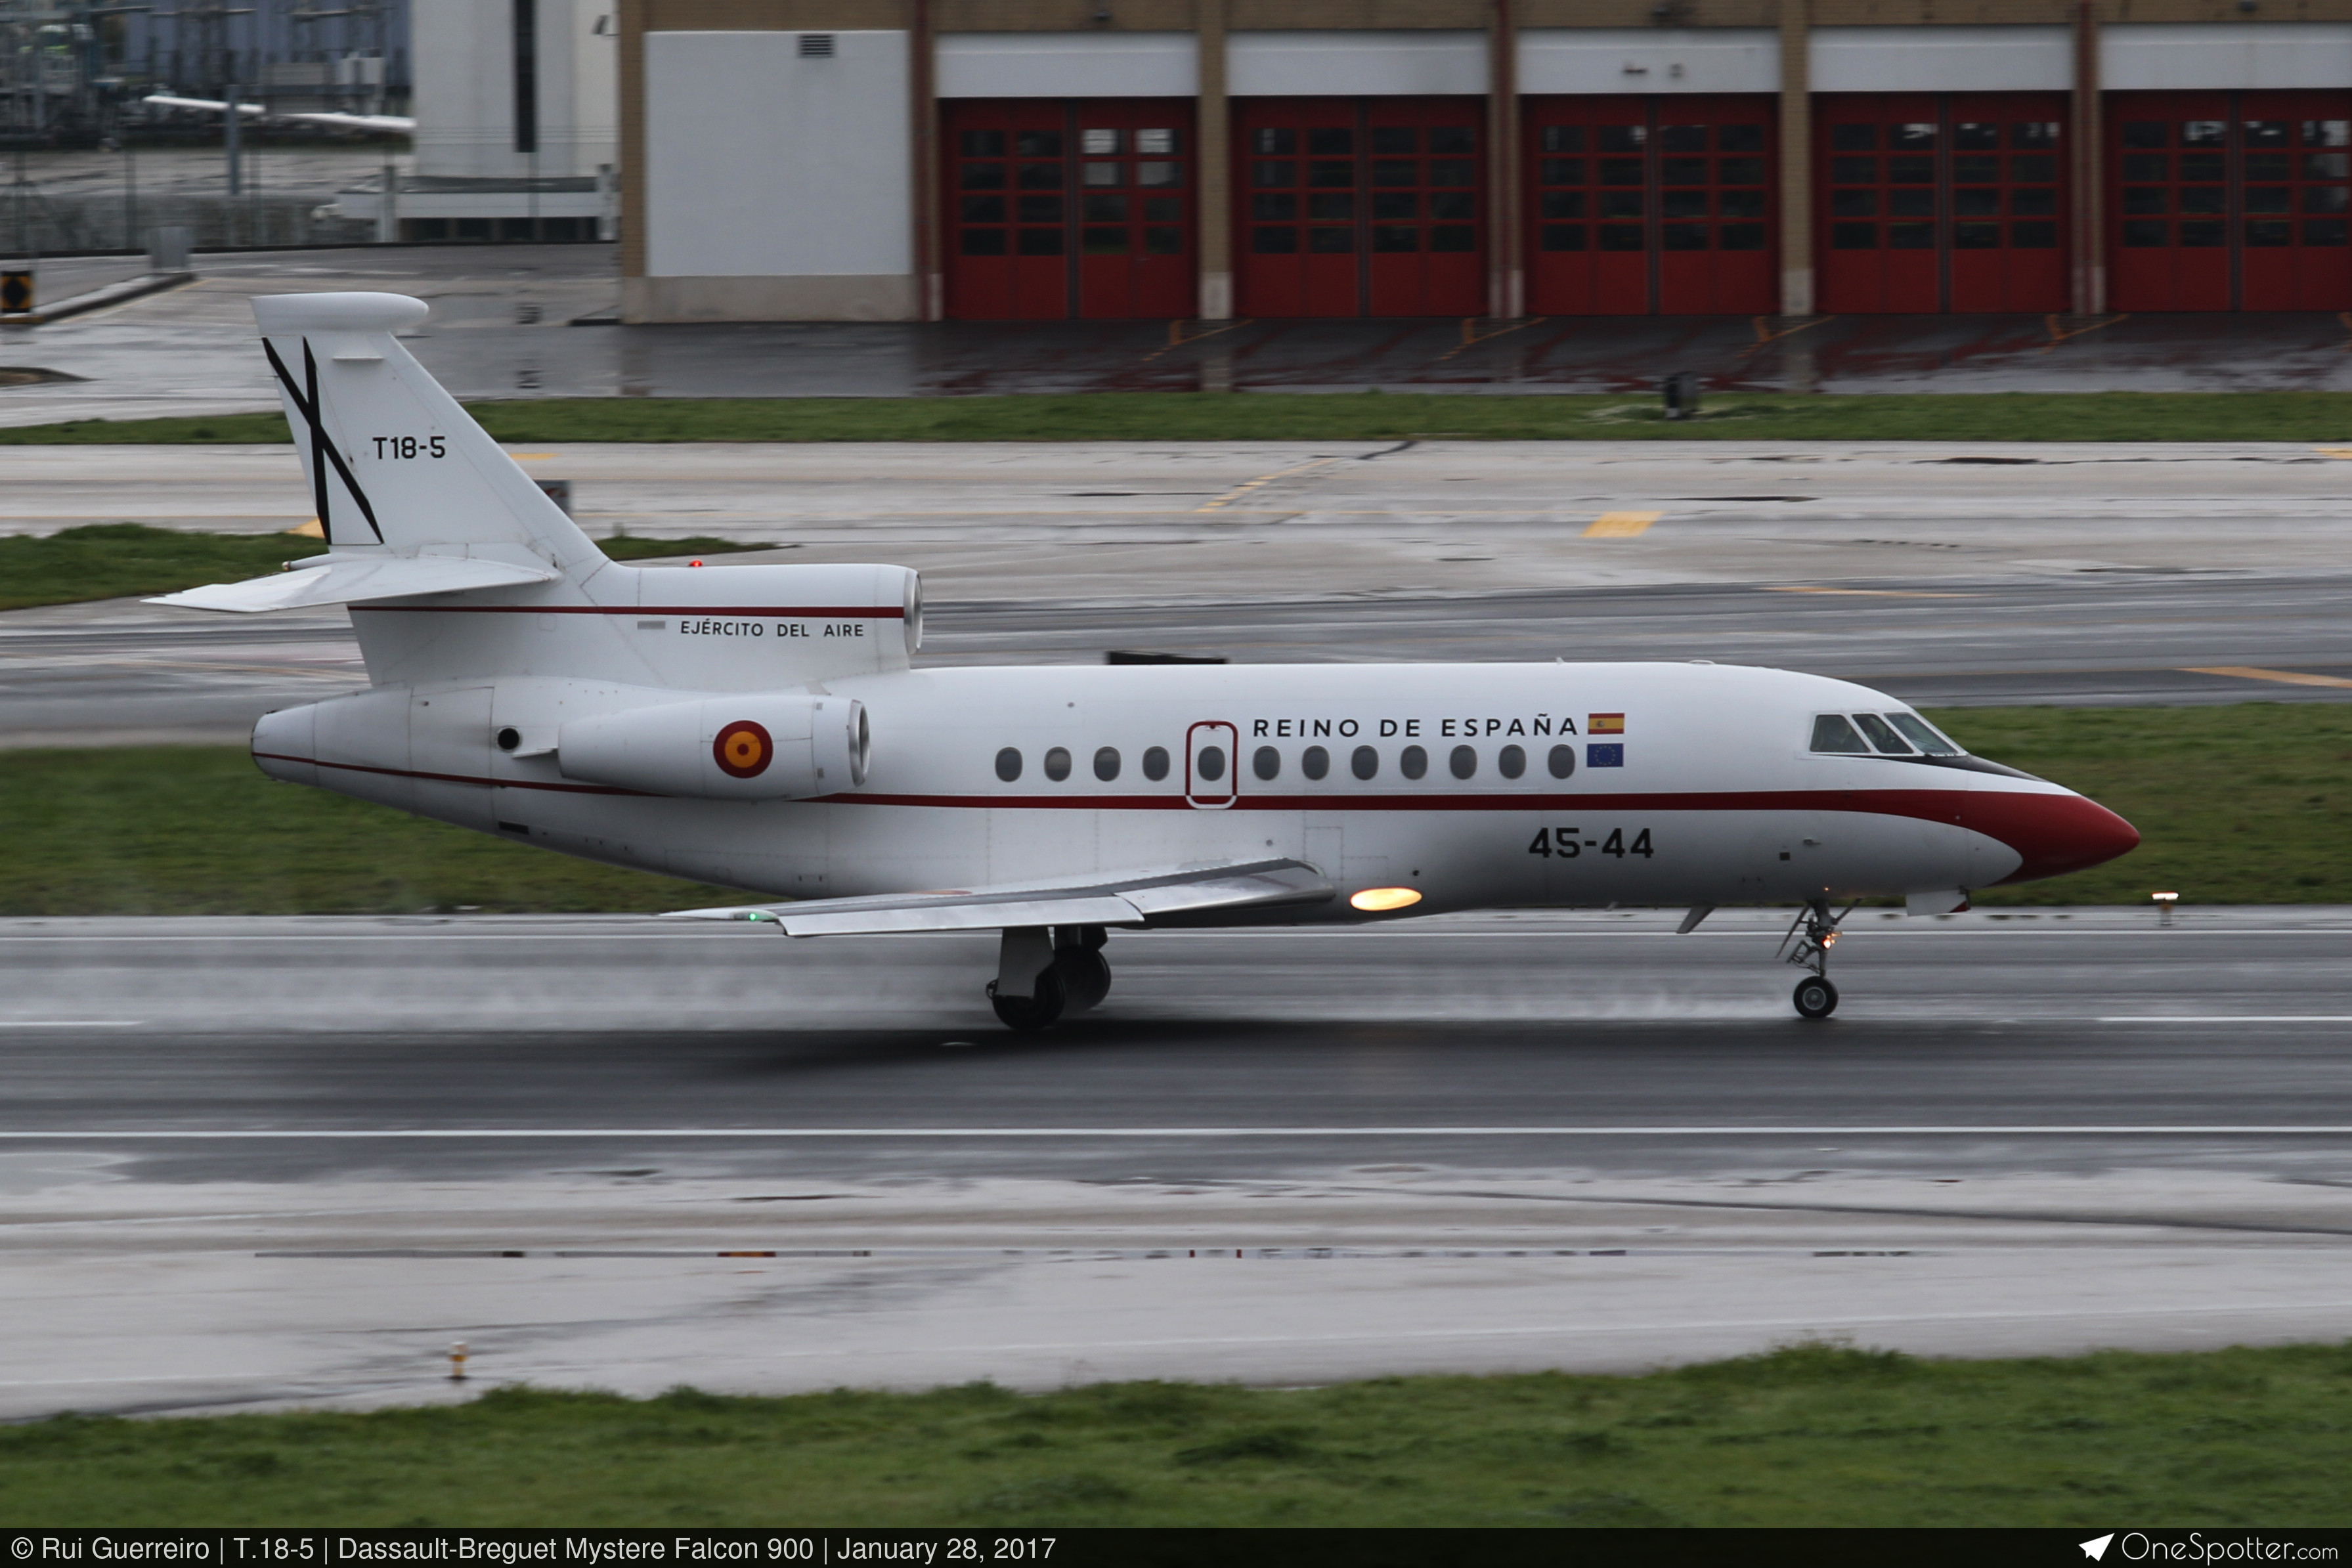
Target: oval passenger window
[(1511, 762), (1315, 762), (1365, 762), (1106, 763), (1464, 762), (1155, 763), (1057, 763), (1412, 762), (1008, 764), (1562, 761), (1266, 762), (1210, 763)]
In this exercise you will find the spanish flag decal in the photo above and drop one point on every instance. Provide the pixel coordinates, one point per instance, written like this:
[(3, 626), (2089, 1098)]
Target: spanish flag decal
[(744, 750), (1604, 725)]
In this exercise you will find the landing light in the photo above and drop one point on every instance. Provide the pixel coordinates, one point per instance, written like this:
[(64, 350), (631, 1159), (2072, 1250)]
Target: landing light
[(1376, 899)]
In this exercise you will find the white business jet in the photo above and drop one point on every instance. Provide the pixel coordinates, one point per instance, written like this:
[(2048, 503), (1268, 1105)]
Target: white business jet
[(764, 727)]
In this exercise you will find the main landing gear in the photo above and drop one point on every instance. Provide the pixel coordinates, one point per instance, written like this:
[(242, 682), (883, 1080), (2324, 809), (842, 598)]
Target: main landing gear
[(1810, 936), (1044, 971)]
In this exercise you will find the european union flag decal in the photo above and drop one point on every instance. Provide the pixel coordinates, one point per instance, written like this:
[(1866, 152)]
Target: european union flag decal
[(1612, 756)]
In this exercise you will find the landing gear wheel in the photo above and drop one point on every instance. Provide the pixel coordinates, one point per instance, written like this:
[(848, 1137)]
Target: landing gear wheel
[(1031, 1012), (1816, 997), (1085, 977)]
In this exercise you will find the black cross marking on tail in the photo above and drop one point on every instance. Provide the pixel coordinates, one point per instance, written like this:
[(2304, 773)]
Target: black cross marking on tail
[(322, 452)]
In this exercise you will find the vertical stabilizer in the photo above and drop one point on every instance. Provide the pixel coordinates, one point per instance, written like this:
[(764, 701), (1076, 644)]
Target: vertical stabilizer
[(394, 466)]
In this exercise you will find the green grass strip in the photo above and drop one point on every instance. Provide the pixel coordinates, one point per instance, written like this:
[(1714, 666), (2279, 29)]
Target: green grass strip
[(1812, 1435), (2243, 803), (1363, 416), (115, 560)]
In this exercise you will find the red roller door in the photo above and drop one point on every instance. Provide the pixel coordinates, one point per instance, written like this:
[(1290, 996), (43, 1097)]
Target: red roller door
[(1057, 208), (2229, 200), (1359, 206), (1941, 201), (1661, 205)]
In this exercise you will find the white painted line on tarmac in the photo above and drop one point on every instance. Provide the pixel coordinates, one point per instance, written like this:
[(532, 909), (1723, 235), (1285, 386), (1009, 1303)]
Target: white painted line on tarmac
[(70, 1022), (2045, 1129), (2231, 1018)]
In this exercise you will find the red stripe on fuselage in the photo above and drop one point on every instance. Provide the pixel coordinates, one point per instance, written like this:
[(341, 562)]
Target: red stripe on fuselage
[(747, 612)]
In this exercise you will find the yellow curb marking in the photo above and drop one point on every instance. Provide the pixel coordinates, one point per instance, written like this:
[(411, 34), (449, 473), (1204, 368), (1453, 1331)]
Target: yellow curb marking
[(1621, 524)]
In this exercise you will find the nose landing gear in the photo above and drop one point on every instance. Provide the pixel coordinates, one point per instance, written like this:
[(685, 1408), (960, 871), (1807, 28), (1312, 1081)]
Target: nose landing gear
[(1810, 936)]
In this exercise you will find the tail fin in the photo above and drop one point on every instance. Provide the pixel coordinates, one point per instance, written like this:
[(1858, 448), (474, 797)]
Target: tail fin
[(395, 467)]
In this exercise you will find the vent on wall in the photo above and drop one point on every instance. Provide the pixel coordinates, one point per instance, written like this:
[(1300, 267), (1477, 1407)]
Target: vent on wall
[(816, 46)]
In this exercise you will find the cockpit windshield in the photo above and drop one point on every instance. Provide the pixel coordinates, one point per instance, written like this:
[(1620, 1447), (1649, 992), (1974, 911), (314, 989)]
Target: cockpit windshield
[(1890, 734), (1924, 735)]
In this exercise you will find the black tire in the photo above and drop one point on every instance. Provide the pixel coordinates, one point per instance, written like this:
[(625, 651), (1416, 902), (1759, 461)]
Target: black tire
[(1815, 997), (1033, 1011), (1085, 977)]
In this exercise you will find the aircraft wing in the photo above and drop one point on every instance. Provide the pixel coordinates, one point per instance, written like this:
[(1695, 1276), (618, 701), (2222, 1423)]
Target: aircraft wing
[(342, 580), (1199, 895)]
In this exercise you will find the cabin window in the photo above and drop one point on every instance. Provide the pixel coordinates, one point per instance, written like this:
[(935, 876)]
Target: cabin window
[(1106, 763), (1412, 762), (1924, 735), (1365, 762), (1155, 763), (1315, 762), (1057, 763), (1209, 761), (1562, 761), (1832, 733), (1882, 735), (1008, 764), (1464, 762), (1511, 762), (1266, 762)]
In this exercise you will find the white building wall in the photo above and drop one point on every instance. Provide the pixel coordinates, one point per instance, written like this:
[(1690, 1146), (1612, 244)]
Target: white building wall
[(463, 55), (1068, 64), (2141, 56), (1943, 59), (1342, 64), (777, 186), (1649, 59)]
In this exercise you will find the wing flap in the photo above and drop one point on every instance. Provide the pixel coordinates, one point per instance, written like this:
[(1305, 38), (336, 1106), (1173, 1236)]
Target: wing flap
[(1196, 895), (342, 580)]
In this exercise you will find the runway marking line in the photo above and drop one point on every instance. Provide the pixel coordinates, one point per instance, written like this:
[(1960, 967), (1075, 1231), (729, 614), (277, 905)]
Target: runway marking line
[(2282, 676), (1241, 492), (487, 1133), (2235, 1018), (70, 1022), (1621, 524), (1875, 593)]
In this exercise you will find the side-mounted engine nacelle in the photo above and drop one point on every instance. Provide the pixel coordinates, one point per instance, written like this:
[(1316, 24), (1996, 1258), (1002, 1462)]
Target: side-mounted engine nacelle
[(722, 748)]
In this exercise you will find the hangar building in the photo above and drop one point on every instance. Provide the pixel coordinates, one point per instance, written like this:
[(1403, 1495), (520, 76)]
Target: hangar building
[(1035, 160)]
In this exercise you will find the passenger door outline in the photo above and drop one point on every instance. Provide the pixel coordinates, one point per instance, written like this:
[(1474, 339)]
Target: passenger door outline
[(1221, 791)]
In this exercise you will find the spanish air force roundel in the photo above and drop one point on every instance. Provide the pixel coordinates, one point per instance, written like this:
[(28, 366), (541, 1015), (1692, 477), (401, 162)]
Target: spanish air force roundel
[(744, 750)]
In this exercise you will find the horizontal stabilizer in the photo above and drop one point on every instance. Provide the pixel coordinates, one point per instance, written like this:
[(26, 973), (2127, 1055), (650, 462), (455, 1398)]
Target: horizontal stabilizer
[(342, 580), (1206, 895)]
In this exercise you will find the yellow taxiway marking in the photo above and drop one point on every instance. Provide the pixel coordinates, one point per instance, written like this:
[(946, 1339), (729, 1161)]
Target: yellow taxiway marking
[(313, 529), (1876, 592), (1241, 492), (531, 456), (2284, 676), (1621, 524), (2334, 451)]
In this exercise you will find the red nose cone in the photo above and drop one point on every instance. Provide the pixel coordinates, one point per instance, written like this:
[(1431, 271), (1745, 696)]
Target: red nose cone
[(2052, 834)]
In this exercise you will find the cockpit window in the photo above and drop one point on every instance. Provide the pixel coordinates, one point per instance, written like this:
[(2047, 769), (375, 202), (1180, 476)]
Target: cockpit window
[(1832, 733), (1882, 735), (1922, 735)]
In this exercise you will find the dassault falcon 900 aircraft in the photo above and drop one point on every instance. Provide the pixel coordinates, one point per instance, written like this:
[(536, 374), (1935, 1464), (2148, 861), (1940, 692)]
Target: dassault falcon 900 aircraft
[(764, 727)]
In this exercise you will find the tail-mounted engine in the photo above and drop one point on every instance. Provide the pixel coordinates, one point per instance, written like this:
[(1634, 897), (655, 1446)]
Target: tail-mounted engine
[(723, 748)]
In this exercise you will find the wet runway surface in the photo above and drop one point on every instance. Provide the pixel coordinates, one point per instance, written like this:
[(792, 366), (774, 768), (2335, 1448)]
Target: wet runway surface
[(614, 1155), (499, 1031), (503, 314)]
